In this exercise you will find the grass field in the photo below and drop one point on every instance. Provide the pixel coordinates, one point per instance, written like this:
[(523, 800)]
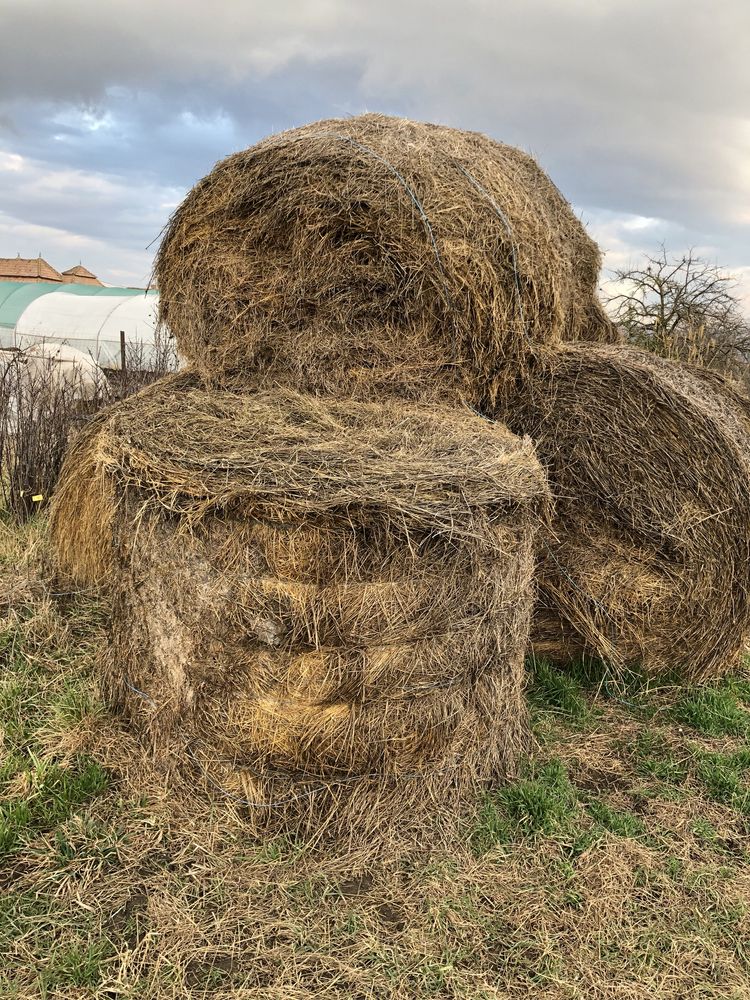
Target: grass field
[(616, 866)]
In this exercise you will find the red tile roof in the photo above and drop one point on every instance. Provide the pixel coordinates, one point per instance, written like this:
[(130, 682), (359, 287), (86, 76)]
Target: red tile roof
[(79, 271), (35, 268)]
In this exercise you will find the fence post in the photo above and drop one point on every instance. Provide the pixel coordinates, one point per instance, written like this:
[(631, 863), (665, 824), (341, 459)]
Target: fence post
[(123, 363)]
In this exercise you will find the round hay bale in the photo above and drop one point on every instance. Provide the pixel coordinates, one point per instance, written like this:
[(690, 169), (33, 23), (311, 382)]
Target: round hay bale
[(323, 607), (648, 560), (373, 255)]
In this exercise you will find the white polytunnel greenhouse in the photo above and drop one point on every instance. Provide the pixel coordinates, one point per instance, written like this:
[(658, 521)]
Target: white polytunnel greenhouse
[(87, 318)]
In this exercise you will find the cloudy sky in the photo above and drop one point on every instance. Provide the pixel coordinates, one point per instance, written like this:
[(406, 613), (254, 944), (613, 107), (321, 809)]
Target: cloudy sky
[(110, 110)]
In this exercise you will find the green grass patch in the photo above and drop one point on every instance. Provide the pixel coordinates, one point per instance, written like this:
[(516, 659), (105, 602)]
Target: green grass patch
[(713, 711), (79, 965), (653, 758), (620, 822), (55, 794), (739, 685), (542, 803), (554, 690), (705, 832), (572, 692), (39, 697), (724, 776)]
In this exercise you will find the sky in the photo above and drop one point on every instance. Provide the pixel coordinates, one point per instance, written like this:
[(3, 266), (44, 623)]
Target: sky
[(111, 110)]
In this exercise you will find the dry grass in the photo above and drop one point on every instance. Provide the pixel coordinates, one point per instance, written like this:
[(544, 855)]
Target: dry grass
[(325, 605), (649, 558), (371, 255), (615, 868)]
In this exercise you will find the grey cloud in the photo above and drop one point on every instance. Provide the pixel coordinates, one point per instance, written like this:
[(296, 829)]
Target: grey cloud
[(634, 108)]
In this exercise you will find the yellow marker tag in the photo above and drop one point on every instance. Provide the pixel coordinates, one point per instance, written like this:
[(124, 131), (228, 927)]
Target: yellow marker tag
[(38, 497)]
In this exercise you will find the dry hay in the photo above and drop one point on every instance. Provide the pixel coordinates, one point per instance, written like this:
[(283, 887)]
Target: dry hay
[(649, 559), (374, 255), (324, 605)]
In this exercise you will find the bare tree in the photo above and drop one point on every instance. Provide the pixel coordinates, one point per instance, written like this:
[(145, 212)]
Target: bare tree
[(144, 363), (42, 405), (684, 307)]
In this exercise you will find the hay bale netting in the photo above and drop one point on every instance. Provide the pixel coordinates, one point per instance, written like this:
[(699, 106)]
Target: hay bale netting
[(319, 605), (649, 558), (369, 254)]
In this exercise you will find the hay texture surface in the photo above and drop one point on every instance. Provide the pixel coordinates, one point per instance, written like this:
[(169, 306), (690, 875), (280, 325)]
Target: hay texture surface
[(649, 560), (372, 255), (322, 607)]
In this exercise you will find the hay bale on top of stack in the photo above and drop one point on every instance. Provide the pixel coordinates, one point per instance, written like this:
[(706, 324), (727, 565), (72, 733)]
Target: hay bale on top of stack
[(373, 255), (648, 559), (323, 604)]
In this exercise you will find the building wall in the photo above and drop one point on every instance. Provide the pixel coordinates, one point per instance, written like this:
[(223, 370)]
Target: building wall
[(35, 280), (70, 279)]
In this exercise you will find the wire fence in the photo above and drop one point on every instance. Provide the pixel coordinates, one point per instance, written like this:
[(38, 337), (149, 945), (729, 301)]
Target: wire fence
[(47, 393)]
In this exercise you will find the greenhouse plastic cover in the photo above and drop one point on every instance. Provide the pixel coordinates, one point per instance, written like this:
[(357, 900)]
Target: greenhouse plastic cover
[(16, 296), (89, 323)]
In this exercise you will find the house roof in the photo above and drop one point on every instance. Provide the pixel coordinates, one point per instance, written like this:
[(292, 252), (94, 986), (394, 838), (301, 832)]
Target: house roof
[(24, 267), (79, 271)]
